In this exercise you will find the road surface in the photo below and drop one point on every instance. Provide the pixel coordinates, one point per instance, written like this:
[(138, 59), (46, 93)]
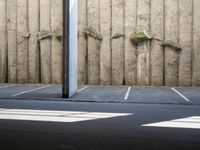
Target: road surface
[(34, 117)]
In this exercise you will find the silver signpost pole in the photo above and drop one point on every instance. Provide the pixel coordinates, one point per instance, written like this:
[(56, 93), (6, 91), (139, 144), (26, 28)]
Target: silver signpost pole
[(69, 48)]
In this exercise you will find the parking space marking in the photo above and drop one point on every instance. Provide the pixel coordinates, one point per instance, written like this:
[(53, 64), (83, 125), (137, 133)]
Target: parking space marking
[(184, 97), (127, 93), (36, 89), (82, 89), (7, 86)]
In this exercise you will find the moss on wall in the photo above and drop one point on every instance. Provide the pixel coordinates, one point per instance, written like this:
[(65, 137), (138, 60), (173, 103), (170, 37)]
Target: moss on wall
[(90, 31), (58, 34), (139, 37), (172, 45)]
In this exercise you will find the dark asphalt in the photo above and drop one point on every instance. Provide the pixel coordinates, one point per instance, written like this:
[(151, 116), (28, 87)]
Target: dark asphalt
[(147, 105)]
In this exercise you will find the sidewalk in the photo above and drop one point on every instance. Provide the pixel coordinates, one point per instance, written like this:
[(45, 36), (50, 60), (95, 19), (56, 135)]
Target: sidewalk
[(107, 94)]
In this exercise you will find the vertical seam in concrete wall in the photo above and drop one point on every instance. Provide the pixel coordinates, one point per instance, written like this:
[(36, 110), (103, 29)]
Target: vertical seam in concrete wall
[(99, 26), (99, 9), (28, 78), (6, 44), (192, 50), (178, 14), (150, 47), (124, 13), (16, 43), (100, 31), (136, 22), (191, 42), (28, 63), (27, 42), (39, 48), (111, 41), (164, 40), (164, 55), (50, 45), (86, 43)]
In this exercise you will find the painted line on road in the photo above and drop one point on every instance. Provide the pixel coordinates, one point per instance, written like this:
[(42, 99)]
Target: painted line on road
[(82, 89), (56, 116), (33, 90), (180, 94), (7, 86), (127, 93), (188, 123)]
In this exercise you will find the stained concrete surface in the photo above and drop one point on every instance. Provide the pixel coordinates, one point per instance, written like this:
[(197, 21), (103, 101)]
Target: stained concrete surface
[(111, 94)]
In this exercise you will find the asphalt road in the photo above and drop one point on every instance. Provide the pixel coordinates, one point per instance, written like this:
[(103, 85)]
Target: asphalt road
[(99, 118), (105, 126)]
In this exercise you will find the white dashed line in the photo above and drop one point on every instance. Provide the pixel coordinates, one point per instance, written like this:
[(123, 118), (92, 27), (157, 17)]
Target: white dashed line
[(127, 93), (82, 88), (3, 87), (185, 98), (30, 91)]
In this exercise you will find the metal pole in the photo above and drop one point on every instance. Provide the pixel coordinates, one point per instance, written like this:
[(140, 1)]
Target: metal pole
[(65, 82)]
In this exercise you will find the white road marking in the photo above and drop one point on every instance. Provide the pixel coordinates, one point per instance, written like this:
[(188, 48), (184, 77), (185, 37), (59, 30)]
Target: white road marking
[(185, 98), (7, 86), (36, 89), (82, 88), (40, 112), (55, 116), (127, 93), (189, 123)]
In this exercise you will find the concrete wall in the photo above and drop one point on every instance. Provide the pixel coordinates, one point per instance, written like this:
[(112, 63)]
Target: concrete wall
[(31, 49), (107, 56), (31, 33)]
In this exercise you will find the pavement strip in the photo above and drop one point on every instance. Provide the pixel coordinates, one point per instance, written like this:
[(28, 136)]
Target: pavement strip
[(180, 94), (28, 91), (127, 93)]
